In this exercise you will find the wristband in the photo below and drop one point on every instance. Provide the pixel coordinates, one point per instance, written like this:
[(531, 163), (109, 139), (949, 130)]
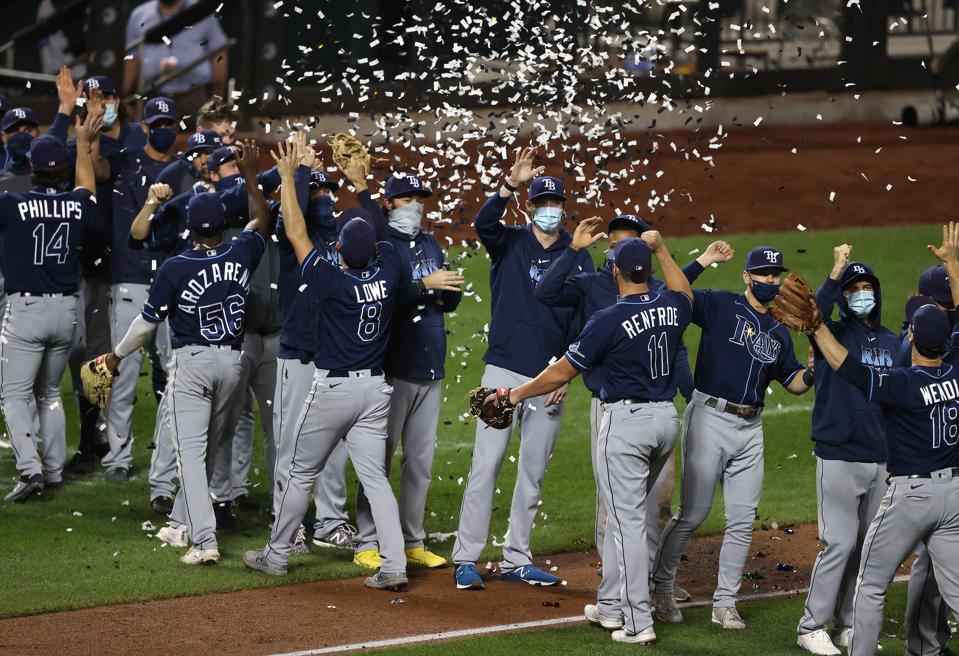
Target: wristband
[(508, 186), (807, 378)]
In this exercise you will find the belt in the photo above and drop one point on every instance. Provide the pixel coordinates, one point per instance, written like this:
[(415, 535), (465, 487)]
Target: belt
[(41, 294), (338, 373), (953, 471), (741, 411), (628, 401), (218, 347)]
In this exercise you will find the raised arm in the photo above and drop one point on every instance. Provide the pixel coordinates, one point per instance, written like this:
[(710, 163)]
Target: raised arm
[(673, 276), (357, 174), (558, 285), (247, 157), (287, 158), (716, 253), (158, 194), (88, 147), (829, 294), (947, 254), (487, 222)]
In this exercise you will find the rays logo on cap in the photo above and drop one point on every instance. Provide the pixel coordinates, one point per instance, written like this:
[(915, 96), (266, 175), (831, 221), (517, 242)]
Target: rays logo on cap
[(163, 106), (858, 269), (19, 113), (93, 83), (772, 256), (549, 184), (414, 182)]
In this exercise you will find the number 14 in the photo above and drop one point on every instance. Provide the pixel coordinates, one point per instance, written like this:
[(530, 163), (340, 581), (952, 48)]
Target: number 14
[(58, 245)]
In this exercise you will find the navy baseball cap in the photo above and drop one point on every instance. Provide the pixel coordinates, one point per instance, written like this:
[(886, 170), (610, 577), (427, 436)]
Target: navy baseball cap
[(357, 240), (934, 282), (48, 150), (855, 272), (930, 329), (628, 222), (915, 302), (160, 108), (17, 115), (402, 184), (546, 186), (319, 179), (348, 215), (101, 82), (205, 214), (204, 140), (220, 156), (633, 254), (765, 257)]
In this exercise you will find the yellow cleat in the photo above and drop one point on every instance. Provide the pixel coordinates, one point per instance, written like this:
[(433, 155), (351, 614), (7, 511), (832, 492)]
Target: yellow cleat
[(423, 556), (369, 559)]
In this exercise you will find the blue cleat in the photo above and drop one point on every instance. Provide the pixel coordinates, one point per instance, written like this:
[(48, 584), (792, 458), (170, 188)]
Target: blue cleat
[(467, 578), (530, 574)]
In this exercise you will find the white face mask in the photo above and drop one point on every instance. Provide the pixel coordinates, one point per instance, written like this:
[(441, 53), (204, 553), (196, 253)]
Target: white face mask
[(547, 218), (407, 218)]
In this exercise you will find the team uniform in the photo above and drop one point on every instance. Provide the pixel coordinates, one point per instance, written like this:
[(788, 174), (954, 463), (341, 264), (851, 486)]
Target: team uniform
[(524, 337), (181, 174), (202, 293), (41, 232), (741, 351), (850, 446)]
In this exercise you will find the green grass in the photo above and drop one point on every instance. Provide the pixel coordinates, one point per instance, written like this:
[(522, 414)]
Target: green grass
[(107, 558), (771, 631)]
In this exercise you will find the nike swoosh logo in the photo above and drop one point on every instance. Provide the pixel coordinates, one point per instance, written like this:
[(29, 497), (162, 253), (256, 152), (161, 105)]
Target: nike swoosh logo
[(634, 410), (872, 339), (29, 303), (332, 385), (194, 353), (913, 487)]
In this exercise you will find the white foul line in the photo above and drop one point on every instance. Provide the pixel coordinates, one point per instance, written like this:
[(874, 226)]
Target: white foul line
[(505, 628)]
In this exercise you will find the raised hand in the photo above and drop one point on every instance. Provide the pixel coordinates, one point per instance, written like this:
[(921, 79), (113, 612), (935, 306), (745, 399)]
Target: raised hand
[(948, 251), (523, 169), (67, 92), (840, 258), (583, 237), (287, 158), (159, 193), (88, 129), (247, 158), (653, 239), (717, 252)]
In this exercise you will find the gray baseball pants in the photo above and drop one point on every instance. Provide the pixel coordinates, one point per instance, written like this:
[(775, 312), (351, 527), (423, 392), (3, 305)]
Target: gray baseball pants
[(35, 341), (414, 417), (913, 511), (635, 443), (163, 459), (126, 301), (539, 428), (93, 315), (354, 409), (200, 390), (717, 447), (927, 617), (329, 494), (848, 495)]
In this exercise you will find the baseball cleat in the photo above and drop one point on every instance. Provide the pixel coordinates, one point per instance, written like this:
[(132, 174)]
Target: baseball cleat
[(591, 611), (299, 542), (817, 642), (246, 504), (728, 618), (666, 610), (425, 557), (81, 464), (342, 537), (257, 560), (162, 505), (197, 556), (467, 578), (369, 559), (530, 574), (53, 485), (679, 594), (386, 581), (223, 513), (117, 475), (644, 637), (25, 488), (175, 537), (842, 637)]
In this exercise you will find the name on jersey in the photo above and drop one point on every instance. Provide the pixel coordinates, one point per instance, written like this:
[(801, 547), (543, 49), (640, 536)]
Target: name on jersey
[(217, 272), (50, 208), (369, 292), (655, 317), (933, 393)]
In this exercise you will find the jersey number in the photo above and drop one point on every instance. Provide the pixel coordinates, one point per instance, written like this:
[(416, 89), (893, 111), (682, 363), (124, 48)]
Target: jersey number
[(658, 355), (944, 427), (221, 320), (58, 245), (369, 326)]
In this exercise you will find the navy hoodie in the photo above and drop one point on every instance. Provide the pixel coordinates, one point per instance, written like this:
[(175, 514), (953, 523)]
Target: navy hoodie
[(845, 426), (524, 334)]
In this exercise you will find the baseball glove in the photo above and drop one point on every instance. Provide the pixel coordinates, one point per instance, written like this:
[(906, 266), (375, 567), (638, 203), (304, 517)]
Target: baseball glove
[(345, 148), (97, 381), (795, 306), (498, 414)]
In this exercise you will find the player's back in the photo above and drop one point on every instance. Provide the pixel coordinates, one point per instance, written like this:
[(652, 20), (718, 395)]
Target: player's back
[(42, 233)]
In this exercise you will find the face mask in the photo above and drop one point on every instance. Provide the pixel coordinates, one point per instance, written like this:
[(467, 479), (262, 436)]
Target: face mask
[(18, 146), (109, 115), (161, 139), (407, 218), (319, 213), (228, 182), (764, 292), (547, 218), (862, 303)]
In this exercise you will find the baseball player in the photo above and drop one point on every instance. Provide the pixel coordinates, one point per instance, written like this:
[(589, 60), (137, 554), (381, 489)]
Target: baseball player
[(128, 135), (414, 368), (349, 399), (184, 172), (850, 437), (20, 128), (593, 291), (742, 349), (202, 293), (41, 231), (630, 348), (132, 173), (524, 336)]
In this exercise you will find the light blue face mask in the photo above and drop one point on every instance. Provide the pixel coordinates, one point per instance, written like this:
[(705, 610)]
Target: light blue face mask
[(862, 303), (109, 115), (547, 218)]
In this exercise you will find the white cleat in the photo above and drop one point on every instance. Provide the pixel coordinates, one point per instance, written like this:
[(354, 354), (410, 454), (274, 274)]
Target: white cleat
[(728, 618), (817, 642), (175, 537), (842, 638), (591, 611), (644, 637), (197, 556)]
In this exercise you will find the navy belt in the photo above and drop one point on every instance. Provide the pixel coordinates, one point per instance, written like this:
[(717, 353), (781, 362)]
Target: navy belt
[(741, 411), (233, 347), (42, 294), (628, 401), (955, 474), (339, 373)]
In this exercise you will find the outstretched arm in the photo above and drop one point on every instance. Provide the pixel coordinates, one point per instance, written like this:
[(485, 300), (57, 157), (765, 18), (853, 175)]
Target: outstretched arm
[(88, 142), (673, 276), (246, 160), (549, 380), (287, 158), (947, 254)]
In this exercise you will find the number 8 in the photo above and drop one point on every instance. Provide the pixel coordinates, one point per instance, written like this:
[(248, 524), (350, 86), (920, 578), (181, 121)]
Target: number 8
[(369, 321)]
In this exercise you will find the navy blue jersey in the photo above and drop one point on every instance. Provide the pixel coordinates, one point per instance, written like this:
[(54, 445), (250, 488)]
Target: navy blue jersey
[(922, 413), (180, 174), (42, 232), (524, 334), (741, 350), (203, 292), (417, 347), (632, 346), (353, 327)]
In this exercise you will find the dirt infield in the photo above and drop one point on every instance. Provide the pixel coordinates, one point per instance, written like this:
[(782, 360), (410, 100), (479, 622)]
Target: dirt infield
[(329, 613)]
